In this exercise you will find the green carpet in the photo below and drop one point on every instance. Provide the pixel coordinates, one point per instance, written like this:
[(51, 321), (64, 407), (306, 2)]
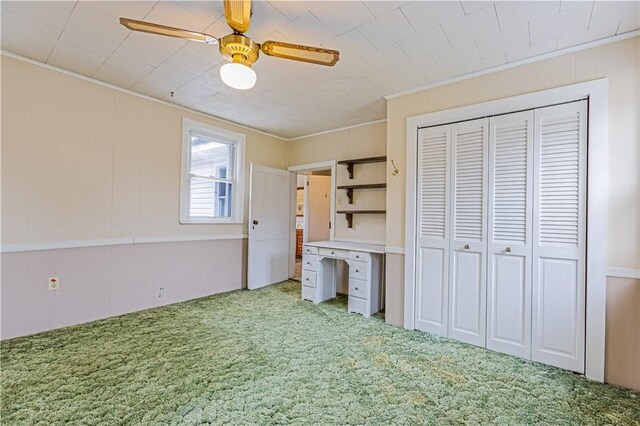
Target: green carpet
[(266, 357)]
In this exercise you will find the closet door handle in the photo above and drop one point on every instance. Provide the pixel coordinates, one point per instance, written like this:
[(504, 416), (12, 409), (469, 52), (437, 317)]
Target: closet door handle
[(466, 246), (507, 250)]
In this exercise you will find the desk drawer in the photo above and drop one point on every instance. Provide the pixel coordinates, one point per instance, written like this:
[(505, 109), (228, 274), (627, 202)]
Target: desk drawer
[(359, 255), (342, 254), (309, 250), (358, 270), (309, 279), (309, 262), (355, 304), (358, 288)]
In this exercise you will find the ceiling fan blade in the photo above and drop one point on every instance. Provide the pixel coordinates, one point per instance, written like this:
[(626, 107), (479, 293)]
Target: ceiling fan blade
[(151, 28), (313, 55), (238, 14)]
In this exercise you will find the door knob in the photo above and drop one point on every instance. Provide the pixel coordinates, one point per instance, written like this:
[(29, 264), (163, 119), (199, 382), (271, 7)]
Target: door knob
[(255, 222), (466, 246)]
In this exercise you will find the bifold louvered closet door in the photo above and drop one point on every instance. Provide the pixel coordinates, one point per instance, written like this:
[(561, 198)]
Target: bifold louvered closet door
[(433, 230), (467, 259), (501, 222), (559, 235), (510, 234)]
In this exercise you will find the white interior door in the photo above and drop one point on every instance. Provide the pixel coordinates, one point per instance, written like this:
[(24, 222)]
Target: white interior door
[(510, 234), (559, 234), (269, 219), (432, 272), (467, 290)]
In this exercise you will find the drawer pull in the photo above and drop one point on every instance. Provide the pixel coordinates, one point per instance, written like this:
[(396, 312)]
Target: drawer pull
[(356, 288), (306, 279), (308, 263), (357, 256), (333, 252), (357, 270)]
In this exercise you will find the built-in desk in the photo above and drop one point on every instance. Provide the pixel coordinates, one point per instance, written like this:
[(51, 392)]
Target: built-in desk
[(365, 273)]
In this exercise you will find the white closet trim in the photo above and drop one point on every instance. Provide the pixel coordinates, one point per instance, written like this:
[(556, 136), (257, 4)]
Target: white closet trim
[(597, 93)]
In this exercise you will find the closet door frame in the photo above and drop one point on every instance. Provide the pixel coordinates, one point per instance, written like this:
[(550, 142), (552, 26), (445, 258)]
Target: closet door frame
[(596, 92)]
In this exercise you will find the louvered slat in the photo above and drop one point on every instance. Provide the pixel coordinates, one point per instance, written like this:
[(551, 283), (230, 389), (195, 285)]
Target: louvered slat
[(433, 184), (559, 180), (469, 155), (510, 184)]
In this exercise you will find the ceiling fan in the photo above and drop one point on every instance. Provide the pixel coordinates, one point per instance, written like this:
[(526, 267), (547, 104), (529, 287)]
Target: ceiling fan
[(239, 49)]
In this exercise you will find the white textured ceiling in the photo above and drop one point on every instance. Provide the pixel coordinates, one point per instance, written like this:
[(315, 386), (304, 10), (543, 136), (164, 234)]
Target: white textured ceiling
[(385, 47)]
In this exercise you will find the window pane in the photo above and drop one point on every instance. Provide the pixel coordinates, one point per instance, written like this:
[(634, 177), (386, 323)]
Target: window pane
[(208, 157), (209, 198), (223, 205)]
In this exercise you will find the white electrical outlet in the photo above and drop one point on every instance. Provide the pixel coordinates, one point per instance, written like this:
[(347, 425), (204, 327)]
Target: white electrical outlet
[(54, 283), (161, 292)]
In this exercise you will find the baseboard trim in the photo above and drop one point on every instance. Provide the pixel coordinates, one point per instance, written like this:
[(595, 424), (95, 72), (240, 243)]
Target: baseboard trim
[(61, 245), (633, 274)]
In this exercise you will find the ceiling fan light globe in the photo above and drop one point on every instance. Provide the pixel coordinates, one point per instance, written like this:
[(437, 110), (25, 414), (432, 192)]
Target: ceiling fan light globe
[(238, 76)]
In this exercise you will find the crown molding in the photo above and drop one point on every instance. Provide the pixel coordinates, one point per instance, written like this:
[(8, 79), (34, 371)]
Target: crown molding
[(324, 132), (518, 63)]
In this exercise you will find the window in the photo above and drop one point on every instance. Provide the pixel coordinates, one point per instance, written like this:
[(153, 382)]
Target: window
[(212, 174)]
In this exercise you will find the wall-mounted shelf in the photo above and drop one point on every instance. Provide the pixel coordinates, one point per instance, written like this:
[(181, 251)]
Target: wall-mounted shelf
[(350, 188), (350, 163), (349, 214)]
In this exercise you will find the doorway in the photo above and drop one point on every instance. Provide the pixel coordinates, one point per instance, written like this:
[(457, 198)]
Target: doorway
[(313, 195)]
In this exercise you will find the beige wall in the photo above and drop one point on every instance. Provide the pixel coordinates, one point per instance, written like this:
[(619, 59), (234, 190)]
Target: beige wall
[(81, 161), (318, 208), (622, 364), (364, 141)]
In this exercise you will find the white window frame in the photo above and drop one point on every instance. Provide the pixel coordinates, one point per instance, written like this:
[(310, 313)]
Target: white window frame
[(238, 140), (597, 91)]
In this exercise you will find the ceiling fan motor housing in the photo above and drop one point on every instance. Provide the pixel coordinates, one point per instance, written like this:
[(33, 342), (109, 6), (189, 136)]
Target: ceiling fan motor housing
[(239, 48)]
